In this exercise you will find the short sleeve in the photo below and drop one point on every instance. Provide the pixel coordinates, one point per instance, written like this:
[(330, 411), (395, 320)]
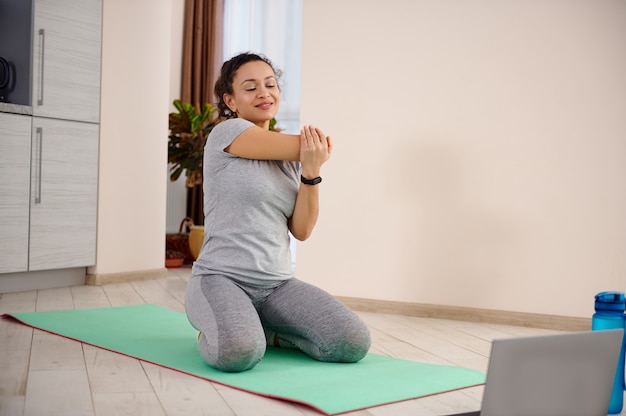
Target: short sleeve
[(224, 133)]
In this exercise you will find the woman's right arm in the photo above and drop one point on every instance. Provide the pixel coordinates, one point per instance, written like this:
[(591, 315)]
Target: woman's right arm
[(260, 144)]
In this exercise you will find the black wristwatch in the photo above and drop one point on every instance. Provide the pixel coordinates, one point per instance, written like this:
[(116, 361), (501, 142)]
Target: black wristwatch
[(313, 181)]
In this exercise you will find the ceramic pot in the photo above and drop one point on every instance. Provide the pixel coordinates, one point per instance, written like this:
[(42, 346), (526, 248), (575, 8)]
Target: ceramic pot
[(174, 262), (196, 237)]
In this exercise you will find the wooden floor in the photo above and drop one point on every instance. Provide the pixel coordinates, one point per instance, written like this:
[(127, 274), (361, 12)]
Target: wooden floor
[(43, 374)]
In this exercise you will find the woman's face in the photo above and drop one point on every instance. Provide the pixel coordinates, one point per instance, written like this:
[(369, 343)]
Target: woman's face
[(256, 96)]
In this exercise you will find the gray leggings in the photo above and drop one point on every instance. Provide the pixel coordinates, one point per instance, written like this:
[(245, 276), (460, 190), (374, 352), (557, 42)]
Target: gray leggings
[(237, 322)]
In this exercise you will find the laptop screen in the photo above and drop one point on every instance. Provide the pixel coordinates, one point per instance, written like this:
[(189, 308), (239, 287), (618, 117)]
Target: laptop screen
[(551, 375)]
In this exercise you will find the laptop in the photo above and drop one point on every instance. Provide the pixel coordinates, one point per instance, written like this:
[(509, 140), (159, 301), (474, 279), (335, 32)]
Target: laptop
[(568, 374)]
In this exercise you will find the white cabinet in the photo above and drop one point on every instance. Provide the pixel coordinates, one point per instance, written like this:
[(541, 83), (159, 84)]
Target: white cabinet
[(67, 37), (63, 200), (14, 191), (48, 193), (49, 161)]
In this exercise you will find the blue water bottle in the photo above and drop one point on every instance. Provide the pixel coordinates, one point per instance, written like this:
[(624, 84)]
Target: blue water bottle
[(610, 315)]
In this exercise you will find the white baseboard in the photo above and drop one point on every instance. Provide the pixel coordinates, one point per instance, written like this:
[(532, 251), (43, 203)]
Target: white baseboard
[(108, 278)]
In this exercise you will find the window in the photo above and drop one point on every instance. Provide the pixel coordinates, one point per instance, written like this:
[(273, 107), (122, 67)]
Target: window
[(272, 28)]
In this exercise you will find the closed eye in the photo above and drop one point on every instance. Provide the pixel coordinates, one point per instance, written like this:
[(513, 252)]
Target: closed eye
[(267, 86)]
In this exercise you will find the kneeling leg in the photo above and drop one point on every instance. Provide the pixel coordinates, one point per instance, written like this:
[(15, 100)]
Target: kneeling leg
[(232, 337)]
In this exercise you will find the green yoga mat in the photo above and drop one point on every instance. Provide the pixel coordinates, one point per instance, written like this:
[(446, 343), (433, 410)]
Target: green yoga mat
[(164, 337)]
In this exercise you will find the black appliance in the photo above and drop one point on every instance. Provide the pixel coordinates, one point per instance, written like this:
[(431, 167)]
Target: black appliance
[(16, 29), (7, 79)]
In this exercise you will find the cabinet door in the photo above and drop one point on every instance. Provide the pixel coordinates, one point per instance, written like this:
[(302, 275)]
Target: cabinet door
[(63, 200), (66, 59), (14, 191)]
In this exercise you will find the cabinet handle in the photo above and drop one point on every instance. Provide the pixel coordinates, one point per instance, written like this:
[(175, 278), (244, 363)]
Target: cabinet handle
[(39, 164), (42, 46)]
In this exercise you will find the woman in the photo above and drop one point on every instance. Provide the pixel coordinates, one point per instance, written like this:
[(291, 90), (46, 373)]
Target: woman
[(258, 186)]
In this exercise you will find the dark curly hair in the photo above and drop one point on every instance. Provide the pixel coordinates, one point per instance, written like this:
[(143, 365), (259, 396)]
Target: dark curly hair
[(224, 84)]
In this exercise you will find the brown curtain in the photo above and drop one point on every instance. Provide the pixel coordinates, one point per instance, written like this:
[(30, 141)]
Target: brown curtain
[(202, 59)]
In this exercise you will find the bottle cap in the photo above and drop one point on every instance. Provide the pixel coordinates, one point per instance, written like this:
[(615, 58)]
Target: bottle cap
[(611, 301)]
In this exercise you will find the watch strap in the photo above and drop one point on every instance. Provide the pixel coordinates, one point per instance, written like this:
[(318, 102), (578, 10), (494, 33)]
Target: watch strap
[(313, 181)]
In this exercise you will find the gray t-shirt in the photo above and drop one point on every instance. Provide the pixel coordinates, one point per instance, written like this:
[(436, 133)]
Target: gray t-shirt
[(246, 207)]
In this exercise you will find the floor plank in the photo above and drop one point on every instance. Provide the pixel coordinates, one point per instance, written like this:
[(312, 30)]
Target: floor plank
[(181, 394), (18, 302), (151, 291), (122, 294), (52, 352), (14, 337), (58, 392), (86, 297), (11, 405), (13, 373), (176, 286), (110, 373), (54, 299), (128, 404)]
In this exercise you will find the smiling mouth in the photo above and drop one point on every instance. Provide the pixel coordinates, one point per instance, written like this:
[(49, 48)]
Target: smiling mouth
[(265, 106)]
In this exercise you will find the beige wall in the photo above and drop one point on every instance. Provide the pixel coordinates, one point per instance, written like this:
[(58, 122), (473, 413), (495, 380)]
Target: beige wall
[(480, 151), (479, 148)]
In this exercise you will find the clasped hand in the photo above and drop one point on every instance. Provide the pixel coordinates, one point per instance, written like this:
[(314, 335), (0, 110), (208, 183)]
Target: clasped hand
[(315, 149)]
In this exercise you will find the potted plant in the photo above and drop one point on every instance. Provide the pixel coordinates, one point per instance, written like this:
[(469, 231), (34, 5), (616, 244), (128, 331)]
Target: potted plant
[(189, 128)]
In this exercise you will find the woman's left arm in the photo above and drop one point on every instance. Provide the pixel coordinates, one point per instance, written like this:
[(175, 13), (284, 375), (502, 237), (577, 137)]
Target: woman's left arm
[(315, 149)]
